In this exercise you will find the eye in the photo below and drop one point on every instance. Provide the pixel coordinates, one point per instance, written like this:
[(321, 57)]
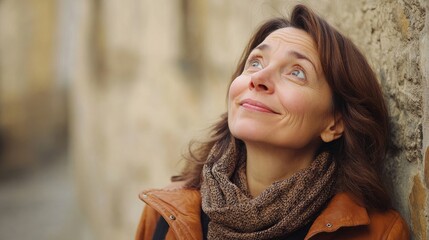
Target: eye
[(298, 73), (255, 63)]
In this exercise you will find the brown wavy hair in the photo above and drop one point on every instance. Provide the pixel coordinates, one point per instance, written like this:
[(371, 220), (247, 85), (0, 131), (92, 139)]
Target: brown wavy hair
[(356, 96)]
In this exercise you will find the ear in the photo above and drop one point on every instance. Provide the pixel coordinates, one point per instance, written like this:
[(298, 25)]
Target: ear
[(333, 130)]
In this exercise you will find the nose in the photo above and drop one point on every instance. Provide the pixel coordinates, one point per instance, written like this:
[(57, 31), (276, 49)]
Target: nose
[(262, 81)]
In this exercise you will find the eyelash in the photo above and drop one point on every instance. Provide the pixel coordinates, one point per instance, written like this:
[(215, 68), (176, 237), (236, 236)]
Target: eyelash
[(299, 69), (256, 59), (253, 60)]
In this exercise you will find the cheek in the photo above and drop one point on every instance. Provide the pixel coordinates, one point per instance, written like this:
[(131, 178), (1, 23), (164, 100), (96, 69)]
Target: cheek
[(304, 106), (295, 102), (236, 88)]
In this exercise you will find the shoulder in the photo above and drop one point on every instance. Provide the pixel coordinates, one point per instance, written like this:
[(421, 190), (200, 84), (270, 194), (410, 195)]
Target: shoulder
[(174, 194), (345, 218), (172, 202), (389, 224), (147, 223)]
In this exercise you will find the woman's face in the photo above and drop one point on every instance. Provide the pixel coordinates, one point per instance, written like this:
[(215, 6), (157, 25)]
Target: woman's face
[(281, 98)]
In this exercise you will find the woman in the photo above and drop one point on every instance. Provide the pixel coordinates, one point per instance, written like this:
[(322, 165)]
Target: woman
[(296, 156)]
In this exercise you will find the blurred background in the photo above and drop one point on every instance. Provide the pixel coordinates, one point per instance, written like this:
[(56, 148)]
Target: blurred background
[(99, 99)]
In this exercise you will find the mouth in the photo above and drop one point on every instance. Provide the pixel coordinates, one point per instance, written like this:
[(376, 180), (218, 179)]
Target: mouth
[(256, 106)]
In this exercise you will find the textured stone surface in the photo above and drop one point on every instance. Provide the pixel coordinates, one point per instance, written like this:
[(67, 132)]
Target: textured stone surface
[(32, 103), (418, 204), (426, 167)]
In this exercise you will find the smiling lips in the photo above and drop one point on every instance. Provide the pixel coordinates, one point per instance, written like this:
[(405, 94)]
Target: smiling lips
[(256, 106)]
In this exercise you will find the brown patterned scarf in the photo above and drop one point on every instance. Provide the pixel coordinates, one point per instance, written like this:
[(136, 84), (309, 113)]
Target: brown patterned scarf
[(282, 208)]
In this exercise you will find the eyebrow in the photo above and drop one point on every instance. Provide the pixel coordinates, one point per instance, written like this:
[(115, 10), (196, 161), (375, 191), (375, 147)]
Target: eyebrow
[(263, 47)]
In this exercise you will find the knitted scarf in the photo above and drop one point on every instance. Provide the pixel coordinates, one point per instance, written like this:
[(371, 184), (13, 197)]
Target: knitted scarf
[(285, 206)]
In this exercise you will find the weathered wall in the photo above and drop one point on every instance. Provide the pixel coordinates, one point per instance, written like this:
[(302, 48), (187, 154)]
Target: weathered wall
[(32, 102), (147, 76)]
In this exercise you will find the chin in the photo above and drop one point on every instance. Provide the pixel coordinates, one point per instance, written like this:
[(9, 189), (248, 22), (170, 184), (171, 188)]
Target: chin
[(247, 134)]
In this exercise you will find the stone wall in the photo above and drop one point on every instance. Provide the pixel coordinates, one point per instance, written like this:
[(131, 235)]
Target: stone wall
[(32, 101), (147, 76)]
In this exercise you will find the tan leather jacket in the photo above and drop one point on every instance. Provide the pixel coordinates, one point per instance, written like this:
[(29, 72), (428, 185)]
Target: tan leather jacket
[(342, 219)]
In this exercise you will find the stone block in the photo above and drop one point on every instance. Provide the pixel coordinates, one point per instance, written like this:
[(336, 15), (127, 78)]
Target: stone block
[(426, 167), (418, 208)]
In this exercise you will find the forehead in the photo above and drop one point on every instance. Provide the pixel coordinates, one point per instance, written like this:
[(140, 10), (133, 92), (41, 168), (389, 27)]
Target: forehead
[(294, 37)]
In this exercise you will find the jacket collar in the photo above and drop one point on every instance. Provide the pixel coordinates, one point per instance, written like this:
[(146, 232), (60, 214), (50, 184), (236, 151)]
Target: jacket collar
[(182, 210), (180, 207), (341, 211)]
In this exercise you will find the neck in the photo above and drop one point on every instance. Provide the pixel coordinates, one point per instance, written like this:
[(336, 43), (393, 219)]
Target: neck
[(266, 165)]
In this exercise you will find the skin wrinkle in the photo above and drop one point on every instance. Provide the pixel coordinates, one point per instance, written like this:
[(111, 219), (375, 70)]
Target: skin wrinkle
[(264, 48), (280, 144), (276, 86), (309, 50)]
